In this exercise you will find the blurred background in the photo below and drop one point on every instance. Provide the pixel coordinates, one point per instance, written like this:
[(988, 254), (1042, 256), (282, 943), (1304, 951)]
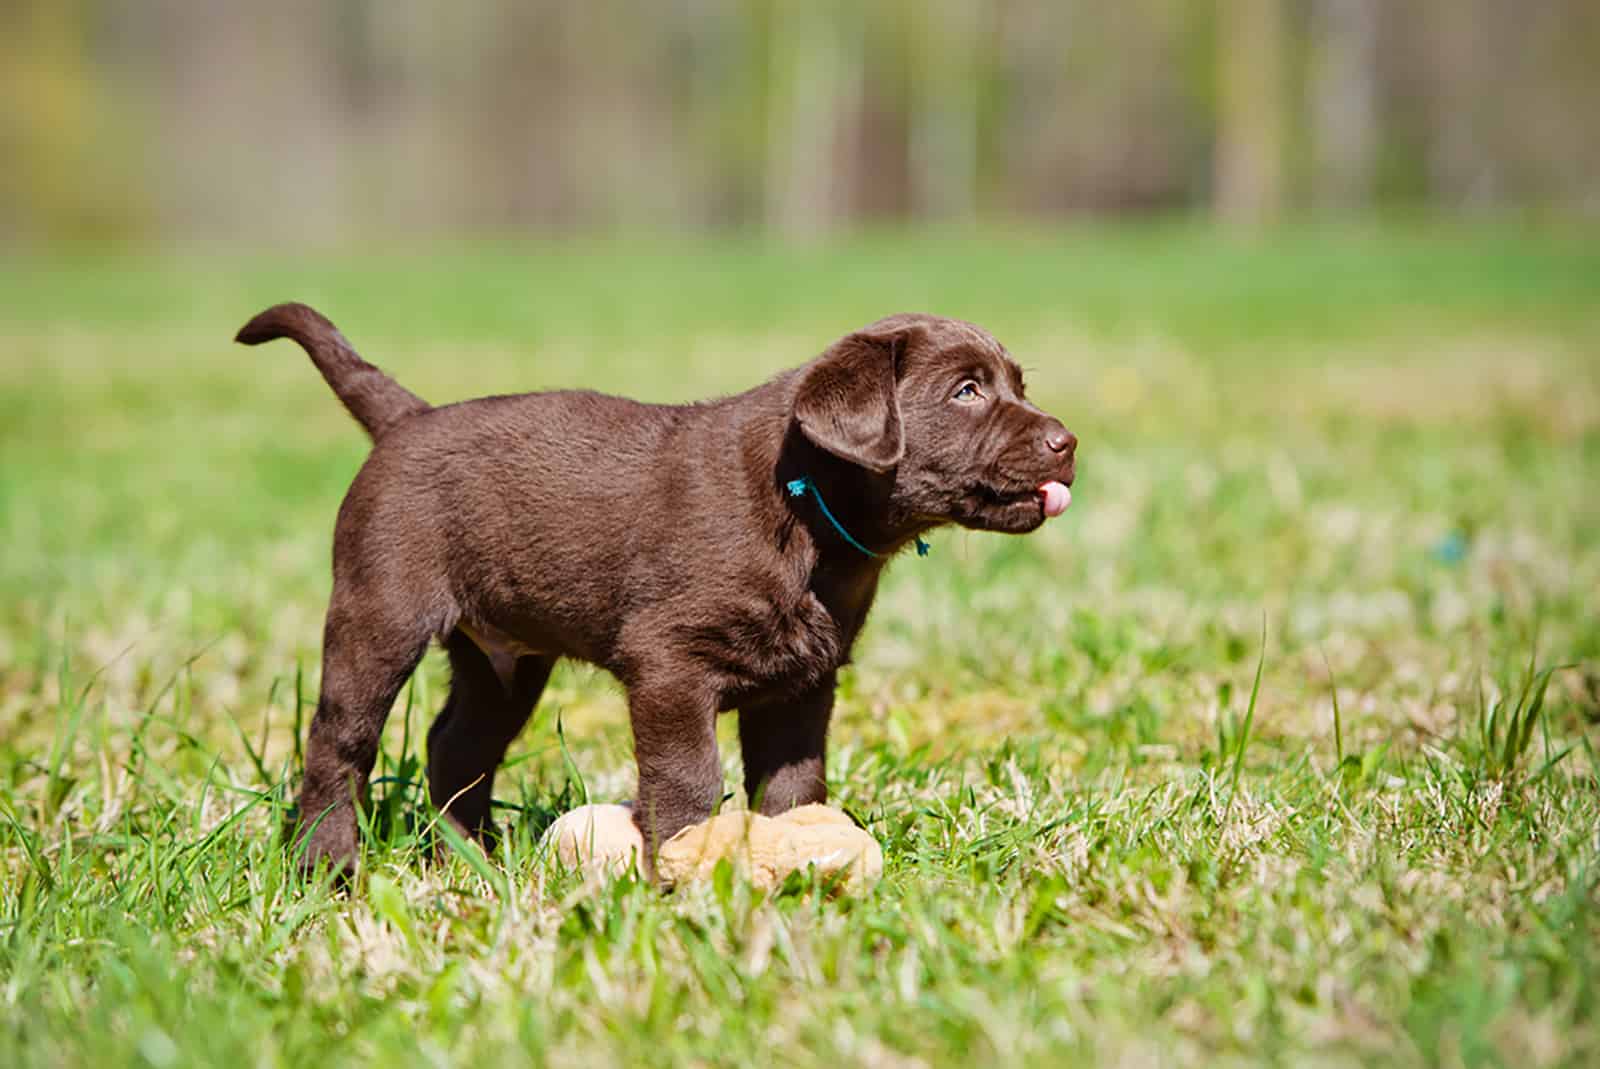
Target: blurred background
[(341, 119), (1315, 281)]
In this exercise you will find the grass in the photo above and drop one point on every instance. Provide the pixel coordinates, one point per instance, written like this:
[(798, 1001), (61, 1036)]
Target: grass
[(1264, 752)]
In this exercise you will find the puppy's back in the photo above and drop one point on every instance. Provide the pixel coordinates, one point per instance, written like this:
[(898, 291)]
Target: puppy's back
[(516, 510)]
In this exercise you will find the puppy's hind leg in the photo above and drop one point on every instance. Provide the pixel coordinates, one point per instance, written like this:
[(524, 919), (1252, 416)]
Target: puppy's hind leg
[(365, 661), (485, 711)]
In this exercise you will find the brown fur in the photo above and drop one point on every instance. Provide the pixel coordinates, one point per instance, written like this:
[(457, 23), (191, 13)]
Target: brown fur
[(656, 541)]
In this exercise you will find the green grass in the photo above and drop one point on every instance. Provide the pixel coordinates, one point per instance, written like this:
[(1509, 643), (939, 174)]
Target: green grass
[(1250, 757)]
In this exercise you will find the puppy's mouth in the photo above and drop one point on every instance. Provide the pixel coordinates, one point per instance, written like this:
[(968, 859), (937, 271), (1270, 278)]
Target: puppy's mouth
[(1012, 508)]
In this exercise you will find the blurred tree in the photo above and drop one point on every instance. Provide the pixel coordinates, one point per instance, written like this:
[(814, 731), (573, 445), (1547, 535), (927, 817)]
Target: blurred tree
[(55, 128), (1250, 111), (1344, 101), (947, 48), (814, 74), (316, 118)]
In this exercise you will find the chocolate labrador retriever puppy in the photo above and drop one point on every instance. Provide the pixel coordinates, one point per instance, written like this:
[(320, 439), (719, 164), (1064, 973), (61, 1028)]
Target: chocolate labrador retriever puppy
[(712, 556)]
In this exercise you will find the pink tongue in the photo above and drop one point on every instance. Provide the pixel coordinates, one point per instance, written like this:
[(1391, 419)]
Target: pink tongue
[(1056, 498)]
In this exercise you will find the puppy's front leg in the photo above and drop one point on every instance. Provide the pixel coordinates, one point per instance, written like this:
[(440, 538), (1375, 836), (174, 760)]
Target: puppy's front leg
[(675, 748), (785, 747)]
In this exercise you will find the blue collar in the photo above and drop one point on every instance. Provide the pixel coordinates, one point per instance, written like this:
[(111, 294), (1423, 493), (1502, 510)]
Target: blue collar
[(798, 488)]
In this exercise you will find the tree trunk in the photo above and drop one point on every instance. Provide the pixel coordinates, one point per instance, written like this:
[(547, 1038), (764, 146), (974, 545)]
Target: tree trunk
[(803, 119), (944, 119), (1250, 114), (1344, 102)]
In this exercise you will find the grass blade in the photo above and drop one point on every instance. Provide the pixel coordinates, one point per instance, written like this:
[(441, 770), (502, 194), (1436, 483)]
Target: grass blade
[(1249, 721)]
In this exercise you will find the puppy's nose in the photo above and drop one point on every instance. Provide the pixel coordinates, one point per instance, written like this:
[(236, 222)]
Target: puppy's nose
[(1061, 440)]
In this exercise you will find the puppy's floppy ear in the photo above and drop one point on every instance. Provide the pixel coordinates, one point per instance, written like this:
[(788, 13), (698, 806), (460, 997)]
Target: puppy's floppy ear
[(847, 402)]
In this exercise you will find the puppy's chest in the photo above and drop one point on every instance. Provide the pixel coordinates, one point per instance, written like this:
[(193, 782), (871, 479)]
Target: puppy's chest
[(787, 646)]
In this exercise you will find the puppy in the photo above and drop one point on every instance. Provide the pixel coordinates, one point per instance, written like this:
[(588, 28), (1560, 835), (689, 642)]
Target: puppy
[(713, 557)]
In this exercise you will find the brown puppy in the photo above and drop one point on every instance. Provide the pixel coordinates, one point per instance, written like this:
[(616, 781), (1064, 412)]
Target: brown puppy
[(664, 543)]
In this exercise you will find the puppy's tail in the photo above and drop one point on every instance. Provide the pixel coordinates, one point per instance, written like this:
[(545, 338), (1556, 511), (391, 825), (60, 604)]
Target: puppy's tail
[(373, 398)]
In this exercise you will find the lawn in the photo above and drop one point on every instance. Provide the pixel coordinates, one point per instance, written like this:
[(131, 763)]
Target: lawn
[(1357, 468)]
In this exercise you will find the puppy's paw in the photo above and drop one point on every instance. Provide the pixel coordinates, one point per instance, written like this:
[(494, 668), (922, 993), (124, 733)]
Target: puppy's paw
[(327, 849)]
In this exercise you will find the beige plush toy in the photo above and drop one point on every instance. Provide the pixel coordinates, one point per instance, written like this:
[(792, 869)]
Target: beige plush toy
[(602, 838), (597, 839)]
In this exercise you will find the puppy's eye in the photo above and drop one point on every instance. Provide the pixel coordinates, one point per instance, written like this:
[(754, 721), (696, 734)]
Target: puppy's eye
[(968, 391)]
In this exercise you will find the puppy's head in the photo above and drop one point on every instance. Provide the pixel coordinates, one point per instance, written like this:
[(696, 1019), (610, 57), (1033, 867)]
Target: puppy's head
[(937, 405)]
